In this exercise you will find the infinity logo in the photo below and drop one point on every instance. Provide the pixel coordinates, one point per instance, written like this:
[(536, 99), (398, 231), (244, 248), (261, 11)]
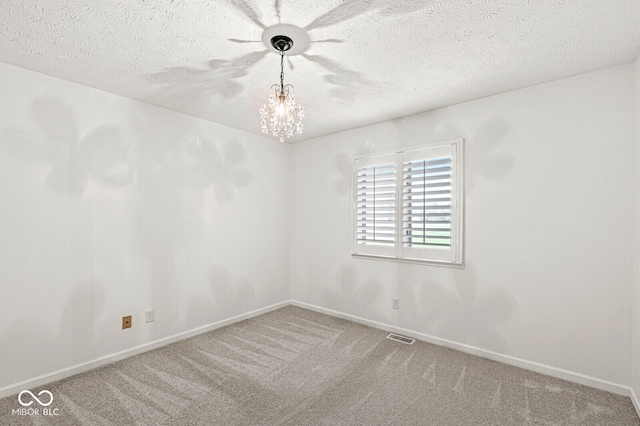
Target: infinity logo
[(35, 397)]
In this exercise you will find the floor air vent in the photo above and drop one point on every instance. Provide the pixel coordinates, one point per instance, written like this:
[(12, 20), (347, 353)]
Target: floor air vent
[(401, 339)]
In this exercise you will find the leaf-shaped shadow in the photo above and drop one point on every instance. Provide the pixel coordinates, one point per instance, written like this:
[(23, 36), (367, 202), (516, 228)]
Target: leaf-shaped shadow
[(228, 292), (195, 84), (483, 149), (48, 128), (227, 174), (106, 149), (361, 295), (200, 309), (491, 134), (69, 173), (205, 164), (102, 153), (224, 297), (186, 83), (54, 119), (468, 316), (160, 137), (350, 84), (343, 163)]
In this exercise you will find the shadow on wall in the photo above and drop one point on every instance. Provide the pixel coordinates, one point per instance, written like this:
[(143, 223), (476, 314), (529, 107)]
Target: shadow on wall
[(173, 211), (173, 149), (343, 164), (483, 149), (40, 347), (220, 167), (109, 154), (463, 313), (353, 295), (50, 135), (228, 297), (161, 161)]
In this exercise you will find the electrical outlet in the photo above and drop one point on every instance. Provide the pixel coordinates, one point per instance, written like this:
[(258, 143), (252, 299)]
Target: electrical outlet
[(149, 316), (126, 322), (396, 304)]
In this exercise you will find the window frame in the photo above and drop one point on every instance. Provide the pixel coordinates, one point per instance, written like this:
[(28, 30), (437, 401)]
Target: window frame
[(398, 252)]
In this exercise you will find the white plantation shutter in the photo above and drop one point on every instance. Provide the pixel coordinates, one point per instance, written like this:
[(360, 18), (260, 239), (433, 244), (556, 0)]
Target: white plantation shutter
[(429, 204), (408, 205), (426, 203), (375, 205)]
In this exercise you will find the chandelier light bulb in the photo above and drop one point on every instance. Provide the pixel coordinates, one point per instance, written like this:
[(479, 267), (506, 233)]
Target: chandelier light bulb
[(280, 115), (282, 108)]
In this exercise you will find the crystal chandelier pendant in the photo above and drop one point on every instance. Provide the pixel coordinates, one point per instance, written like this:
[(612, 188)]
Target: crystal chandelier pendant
[(280, 115)]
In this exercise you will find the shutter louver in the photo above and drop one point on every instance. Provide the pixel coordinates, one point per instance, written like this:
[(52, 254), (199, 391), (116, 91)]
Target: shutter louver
[(409, 205), (376, 205), (427, 203)]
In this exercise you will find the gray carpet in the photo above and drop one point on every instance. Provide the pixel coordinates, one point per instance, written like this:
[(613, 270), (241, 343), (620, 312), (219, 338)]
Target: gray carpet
[(297, 367)]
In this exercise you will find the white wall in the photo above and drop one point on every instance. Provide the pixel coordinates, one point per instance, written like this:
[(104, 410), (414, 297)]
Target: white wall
[(110, 207), (548, 214), (636, 215)]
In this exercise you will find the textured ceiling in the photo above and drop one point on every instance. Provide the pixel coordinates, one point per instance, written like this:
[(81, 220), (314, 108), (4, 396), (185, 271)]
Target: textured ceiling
[(357, 62)]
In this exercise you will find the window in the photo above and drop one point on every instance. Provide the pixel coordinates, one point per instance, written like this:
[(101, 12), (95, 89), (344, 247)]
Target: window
[(408, 205), (376, 204)]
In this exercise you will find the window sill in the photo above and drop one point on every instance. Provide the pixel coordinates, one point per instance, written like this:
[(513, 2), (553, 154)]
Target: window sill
[(405, 260)]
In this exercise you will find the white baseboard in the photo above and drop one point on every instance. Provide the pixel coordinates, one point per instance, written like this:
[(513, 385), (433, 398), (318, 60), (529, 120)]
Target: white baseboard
[(505, 359), (635, 400), (70, 371)]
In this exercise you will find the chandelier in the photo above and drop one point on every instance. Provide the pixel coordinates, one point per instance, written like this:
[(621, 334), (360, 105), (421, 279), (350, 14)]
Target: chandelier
[(280, 115)]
